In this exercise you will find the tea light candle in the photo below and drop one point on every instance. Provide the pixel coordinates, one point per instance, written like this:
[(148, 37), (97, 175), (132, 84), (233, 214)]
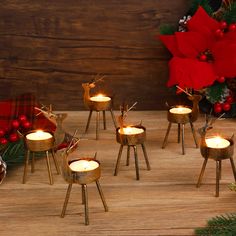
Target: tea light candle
[(100, 98), (131, 130), (38, 135), (83, 165), (180, 110), (217, 142)]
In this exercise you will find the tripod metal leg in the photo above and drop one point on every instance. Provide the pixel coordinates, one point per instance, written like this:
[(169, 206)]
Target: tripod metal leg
[(66, 200), (27, 156), (217, 178), (101, 195), (104, 120), (85, 193), (118, 160), (178, 133), (146, 156), (194, 134), (97, 124), (55, 161), (128, 155), (220, 168), (202, 172), (88, 122), (32, 162), (166, 137), (183, 151), (113, 118), (49, 168), (136, 162), (233, 167)]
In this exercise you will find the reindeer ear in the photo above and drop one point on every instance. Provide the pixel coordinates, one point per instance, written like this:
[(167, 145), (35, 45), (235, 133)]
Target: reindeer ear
[(232, 137)]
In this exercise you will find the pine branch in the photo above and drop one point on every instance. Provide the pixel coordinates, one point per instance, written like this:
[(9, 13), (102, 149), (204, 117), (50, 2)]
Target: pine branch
[(230, 14), (167, 29), (204, 3)]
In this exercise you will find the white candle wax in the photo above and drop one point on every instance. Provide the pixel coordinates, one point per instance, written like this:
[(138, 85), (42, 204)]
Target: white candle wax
[(100, 98), (180, 110), (39, 135), (217, 142), (83, 165), (131, 130)]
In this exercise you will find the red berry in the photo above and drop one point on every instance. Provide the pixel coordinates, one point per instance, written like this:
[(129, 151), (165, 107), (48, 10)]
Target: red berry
[(203, 57), (2, 132), (232, 27), (221, 79), (13, 137), (226, 106), (3, 141), (22, 118), (26, 125), (15, 124), (229, 99), (217, 107), (223, 25), (219, 33)]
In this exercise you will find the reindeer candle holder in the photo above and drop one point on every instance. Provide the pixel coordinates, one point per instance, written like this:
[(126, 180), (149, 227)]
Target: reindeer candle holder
[(181, 115), (131, 136), (83, 171), (40, 141), (218, 149), (98, 103)]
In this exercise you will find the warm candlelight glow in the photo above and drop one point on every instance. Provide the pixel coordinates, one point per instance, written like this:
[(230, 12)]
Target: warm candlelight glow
[(131, 130), (100, 98), (39, 135), (83, 165), (217, 142), (180, 110)]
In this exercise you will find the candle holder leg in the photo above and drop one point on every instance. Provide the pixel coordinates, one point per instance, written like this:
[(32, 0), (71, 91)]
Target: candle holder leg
[(55, 161), (82, 193), (88, 122), (217, 178), (49, 168), (101, 195), (183, 150), (136, 162), (178, 132), (220, 168), (97, 124), (146, 156), (104, 120), (202, 173), (32, 163), (233, 167), (118, 160), (128, 155), (27, 156), (66, 200), (86, 210), (194, 134), (166, 137), (113, 118)]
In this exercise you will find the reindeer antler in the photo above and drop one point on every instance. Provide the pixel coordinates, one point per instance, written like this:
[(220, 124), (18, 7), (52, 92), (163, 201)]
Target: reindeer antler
[(97, 79)]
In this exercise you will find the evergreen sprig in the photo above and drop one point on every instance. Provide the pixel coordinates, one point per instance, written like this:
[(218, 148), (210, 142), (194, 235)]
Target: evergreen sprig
[(219, 226), (215, 93), (204, 3), (167, 29), (230, 14)]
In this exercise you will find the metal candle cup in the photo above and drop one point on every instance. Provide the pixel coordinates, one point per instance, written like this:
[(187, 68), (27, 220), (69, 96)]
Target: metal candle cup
[(179, 114), (83, 171), (131, 135), (38, 140), (100, 102)]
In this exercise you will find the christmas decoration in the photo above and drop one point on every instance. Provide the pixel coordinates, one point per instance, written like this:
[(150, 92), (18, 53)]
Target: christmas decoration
[(3, 169), (219, 225), (204, 53)]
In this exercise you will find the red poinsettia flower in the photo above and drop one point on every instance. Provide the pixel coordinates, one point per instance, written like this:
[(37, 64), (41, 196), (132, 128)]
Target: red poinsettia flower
[(201, 54)]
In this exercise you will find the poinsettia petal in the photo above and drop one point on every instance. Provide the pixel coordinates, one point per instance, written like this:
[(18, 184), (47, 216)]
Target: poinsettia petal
[(171, 43), (190, 44), (202, 22), (190, 73), (224, 52)]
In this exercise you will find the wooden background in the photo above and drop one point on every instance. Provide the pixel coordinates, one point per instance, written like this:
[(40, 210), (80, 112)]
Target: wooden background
[(51, 47)]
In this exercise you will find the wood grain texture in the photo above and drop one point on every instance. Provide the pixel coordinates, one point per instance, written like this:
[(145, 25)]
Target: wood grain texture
[(51, 47), (164, 202)]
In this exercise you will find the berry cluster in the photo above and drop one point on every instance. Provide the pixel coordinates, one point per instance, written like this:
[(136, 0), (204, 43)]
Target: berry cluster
[(224, 27), (11, 134)]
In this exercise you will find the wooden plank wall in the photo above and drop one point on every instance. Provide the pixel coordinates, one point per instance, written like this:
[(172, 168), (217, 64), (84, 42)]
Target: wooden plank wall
[(51, 47)]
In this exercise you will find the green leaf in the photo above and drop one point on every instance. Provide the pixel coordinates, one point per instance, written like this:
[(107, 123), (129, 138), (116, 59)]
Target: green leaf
[(167, 29), (204, 3), (216, 92)]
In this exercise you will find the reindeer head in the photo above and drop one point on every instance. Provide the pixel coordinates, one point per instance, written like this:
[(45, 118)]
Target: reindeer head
[(88, 86), (195, 98)]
